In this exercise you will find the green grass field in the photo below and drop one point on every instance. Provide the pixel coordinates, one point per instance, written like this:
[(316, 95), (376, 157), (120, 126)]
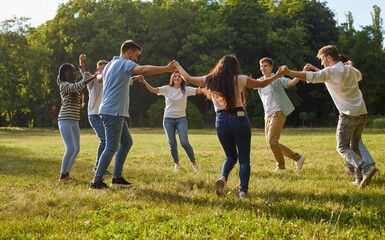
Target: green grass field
[(317, 203)]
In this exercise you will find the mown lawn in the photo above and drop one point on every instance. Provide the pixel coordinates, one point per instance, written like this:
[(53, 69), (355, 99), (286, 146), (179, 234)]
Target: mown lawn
[(317, 203)]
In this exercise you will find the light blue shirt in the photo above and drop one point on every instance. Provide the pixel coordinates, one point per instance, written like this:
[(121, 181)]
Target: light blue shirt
[(116, 87), (278, 90)]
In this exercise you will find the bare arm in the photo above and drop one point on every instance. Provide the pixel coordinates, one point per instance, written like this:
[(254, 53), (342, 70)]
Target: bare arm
[(198, 81), (149, 87), (252, 83), (152, 70), (292, 82), (198, 91), (83, 63), (291, 73)]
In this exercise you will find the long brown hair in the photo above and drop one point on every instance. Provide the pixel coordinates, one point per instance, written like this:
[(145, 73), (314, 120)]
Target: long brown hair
[(182, 83), (220, 82)]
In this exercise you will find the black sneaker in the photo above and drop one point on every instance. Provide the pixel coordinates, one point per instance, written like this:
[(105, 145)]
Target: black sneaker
[(98, 185), (120, 182)]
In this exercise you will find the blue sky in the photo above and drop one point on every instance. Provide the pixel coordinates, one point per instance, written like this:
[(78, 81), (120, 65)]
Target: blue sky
[(42, 10)]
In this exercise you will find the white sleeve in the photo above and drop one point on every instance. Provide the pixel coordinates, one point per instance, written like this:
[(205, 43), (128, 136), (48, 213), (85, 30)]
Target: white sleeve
[(318, 77), (163, 90), (190, 91)]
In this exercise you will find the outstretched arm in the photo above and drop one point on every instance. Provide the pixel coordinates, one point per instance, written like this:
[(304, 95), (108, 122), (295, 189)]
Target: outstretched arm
[(141, 79), (291, 73), (252, 83), (152, 70), (293, 82), (198, 81)]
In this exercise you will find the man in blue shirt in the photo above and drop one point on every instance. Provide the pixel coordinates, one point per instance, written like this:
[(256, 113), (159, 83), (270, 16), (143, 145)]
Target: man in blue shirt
[(277, 106), (114, 109)]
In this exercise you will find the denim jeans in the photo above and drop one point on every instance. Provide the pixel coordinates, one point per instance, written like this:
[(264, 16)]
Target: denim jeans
[(349, 131), (97, 125), (234, 133), (119, 141), (365, 155), (70, 133), (180, 124)]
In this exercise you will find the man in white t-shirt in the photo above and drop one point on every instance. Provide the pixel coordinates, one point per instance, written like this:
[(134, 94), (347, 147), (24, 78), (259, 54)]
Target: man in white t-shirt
[(95, 92), (342, 83), (277, 106)]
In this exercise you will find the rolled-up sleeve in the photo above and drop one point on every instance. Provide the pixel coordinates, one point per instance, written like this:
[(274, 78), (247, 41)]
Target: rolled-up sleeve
[(318, 77)]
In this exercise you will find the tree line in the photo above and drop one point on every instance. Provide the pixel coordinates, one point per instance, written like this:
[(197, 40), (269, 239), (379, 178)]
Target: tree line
[(196, 33)]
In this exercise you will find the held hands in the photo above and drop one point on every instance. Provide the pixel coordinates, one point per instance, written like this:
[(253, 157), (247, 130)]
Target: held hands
[(349, 63), (280, 72), (82, 59), (170, 66), (140, 78)]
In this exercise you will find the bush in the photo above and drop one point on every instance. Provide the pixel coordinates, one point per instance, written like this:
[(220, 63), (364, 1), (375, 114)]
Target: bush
[(194, 116), (379, 123), (156, 111)]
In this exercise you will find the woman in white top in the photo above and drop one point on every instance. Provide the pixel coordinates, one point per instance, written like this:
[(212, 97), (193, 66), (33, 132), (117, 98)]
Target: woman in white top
[(224, 85), (174, 117)]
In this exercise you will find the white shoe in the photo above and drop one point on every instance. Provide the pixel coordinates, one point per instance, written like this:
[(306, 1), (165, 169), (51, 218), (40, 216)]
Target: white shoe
[(299, 163), (357, 182), (278, 169), (176, 168), (221, 186), (243, 195), (196, 167)]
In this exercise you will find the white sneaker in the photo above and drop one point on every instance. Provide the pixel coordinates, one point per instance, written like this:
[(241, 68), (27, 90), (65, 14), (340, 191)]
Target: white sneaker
[(299, 163), (196, 167), (278, 169), (243, 195), (176, 168), (357, 182), (221, 186)]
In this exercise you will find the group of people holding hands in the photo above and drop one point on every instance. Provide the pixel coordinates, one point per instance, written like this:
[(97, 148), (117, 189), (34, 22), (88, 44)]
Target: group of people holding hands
[(108, 108)]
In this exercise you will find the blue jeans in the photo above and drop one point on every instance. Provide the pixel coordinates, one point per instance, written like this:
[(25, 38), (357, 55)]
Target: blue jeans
[(365, 155), (180, 124), (349, 131), (119, 141), (234, 133), (97, 125), (70, 133)]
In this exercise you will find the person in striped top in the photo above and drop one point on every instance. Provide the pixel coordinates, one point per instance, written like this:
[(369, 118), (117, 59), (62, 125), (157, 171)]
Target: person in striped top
[(69, 115)]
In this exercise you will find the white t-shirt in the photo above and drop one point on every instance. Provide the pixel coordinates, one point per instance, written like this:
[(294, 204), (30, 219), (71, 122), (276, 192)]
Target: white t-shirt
[(242, 81), (176, 101), (270, 104), (95, 93), (342, 84)]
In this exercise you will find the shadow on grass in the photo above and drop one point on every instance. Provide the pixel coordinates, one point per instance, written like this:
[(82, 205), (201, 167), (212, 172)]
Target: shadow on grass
[(274, 205)]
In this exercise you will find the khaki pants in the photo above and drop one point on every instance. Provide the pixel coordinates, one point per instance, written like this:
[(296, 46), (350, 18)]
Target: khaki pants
[(273, 128)]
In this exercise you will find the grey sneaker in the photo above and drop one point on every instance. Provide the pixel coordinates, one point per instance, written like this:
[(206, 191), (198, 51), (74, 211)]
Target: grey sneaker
[(367, 173), (196, 167), (176, 168), (243, 195), (357, 182), (299, 163), (221, 186)]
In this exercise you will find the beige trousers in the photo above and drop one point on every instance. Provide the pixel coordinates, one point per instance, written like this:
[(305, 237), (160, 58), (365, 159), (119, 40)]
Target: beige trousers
[(273, 128)]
